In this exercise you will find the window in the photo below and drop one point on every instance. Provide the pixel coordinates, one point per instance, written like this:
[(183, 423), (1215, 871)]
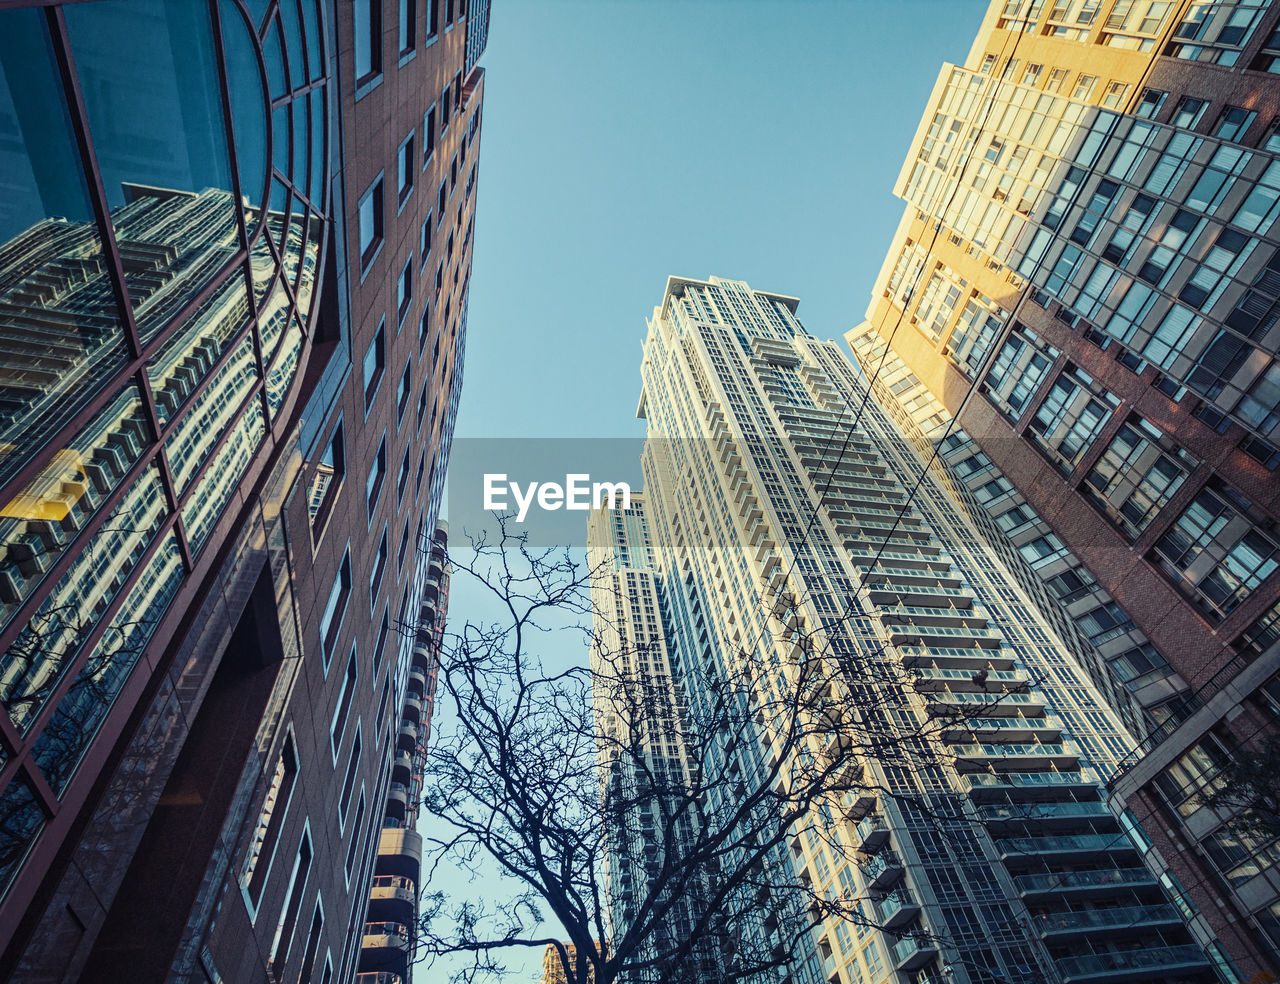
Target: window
[(1084, 87), (384, 630), (446, 103), (442, 199), (1071, 417), (402, 476), (355, 837), (428, 135), (335, 607), (379, 568), (349, 781), (403, 550), (408, 26), (1114, 95), (424, 325), (313, 945), (1188, 113), (1233, 123), (1057, 79), (422, 402), (1137, 475), (292, 905), (433, 20), (1019, 369), (327, 480), (1151, 102), (457, 91), (367, 16), (404, 292), (1032, 74), (377, 471), (1218, 550), (403, 389), (375, 361), (370, 221), (274, 809), (338, 725), (424, 244), (404, 170)]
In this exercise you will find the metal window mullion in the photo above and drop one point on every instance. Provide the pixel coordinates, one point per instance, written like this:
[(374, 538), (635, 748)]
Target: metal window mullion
[(93, 174), (63, 435)]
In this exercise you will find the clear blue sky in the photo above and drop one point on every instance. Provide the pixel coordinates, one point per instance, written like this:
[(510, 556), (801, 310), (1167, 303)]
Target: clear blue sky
[(626, 140)]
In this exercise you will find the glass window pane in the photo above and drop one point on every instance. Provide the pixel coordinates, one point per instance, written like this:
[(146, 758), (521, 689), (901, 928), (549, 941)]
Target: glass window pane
[(50, 642), (38, 524), (58, 317), (81, 712)]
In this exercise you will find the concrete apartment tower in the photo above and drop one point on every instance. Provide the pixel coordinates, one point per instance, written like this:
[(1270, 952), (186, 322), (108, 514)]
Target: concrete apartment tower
[(977, 845), (235, 246), (1080, 311)]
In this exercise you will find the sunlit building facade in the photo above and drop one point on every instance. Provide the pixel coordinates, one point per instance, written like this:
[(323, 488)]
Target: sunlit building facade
[(781, 506), (232, 311), (1079, 311)]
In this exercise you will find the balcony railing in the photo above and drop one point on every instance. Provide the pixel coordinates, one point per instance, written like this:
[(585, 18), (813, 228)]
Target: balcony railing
[(1104, 966), (1110, 878), (1124, 917), (1060, 845), (913, 951), (395, 930)]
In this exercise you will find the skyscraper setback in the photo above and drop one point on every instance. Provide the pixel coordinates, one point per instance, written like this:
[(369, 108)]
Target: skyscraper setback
[(235, 251), (1080, 311), (781, 510)]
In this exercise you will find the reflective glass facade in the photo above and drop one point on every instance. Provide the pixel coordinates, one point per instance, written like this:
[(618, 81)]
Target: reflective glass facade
[(161, 239)]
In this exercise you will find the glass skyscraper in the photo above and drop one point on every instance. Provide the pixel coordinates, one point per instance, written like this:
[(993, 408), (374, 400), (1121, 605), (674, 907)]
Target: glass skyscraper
[(781, 502), (235, 255)]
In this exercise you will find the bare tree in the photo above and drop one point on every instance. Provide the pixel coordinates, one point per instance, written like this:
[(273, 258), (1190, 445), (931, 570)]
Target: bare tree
[(660, 852)]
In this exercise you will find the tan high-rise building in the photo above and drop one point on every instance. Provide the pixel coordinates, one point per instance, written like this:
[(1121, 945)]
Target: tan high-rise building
[(1079, 312)]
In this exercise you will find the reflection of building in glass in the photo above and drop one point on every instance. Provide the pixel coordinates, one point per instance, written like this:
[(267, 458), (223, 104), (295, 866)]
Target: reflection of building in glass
[(204, 478), (1079, 309), (976, 843)]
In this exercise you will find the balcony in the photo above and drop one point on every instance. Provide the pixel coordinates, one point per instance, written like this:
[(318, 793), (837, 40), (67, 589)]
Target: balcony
[(882, 870), (1103, 882), (399, 853), (1097, 922), (977, 681), (1024, 786), (407, 739), (1030, 757), (955, 658), (1077, 844), (401, 767), (913, 952), (1149, 964), (393, 898), (388, 941), (378, 977), (898, 908), (858, 803), (412, 710), (870, 834), (1005, 729), (1045, 815)]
